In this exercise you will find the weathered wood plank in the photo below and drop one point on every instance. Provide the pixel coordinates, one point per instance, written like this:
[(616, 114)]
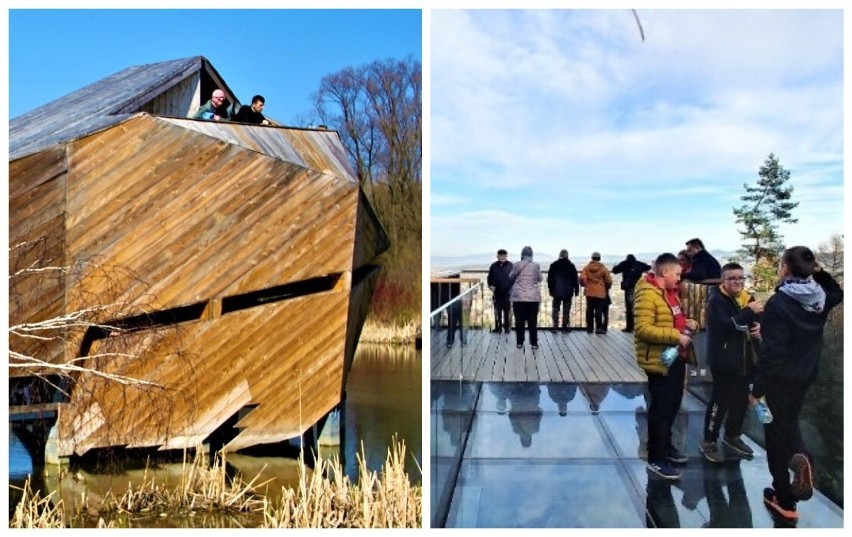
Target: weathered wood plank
[(574, 357)]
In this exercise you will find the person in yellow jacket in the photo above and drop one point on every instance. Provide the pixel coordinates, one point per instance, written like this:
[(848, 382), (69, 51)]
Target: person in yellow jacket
[(659, 323), (597, 280)]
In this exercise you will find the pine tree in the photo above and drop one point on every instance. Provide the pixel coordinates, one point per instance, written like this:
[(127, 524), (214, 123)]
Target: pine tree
[(766, 204)]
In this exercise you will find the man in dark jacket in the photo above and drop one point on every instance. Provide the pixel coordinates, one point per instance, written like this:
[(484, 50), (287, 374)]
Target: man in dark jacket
[(704, 265), (498, 282), (252, 114), (631, 270), (563, 283), (732, 332)]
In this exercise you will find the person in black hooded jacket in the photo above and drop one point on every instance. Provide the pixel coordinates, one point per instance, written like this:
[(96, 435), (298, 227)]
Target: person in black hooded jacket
[(631, 269), (563, 284), (792, 328)]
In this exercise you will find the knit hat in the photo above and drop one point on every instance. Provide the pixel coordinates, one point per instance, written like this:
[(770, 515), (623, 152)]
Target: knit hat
[(527, 251), (563, 254), (596, 256)]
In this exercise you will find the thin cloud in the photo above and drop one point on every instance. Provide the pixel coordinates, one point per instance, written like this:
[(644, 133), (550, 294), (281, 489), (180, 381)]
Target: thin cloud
[(572, 108)]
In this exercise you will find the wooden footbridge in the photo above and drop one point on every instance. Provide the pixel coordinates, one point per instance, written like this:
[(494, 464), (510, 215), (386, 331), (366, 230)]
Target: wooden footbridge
[(573, 356)]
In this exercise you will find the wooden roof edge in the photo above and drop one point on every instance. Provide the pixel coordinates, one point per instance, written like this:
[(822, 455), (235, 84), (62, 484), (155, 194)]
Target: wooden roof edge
[(173, 79), (110, 121)]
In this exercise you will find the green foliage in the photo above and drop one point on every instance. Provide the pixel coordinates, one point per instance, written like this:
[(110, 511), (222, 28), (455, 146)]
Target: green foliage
[(765, 205)]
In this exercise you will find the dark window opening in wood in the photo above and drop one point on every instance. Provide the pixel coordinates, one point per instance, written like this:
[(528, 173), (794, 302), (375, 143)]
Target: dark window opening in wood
[(170, 316), (361, 273), (27, 391), (280, 292)]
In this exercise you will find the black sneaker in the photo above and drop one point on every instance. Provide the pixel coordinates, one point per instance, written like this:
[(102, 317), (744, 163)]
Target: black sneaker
[(711, 452), (520, 346), (496, 331), (663, 469), (535, 347), (738, 446), (786, 513), (803, 478), (674, 455)]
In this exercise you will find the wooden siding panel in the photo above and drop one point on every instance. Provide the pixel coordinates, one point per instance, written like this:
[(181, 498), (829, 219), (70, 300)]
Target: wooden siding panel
[(261, 346), (37, 241), (194, 195), (180, 100)]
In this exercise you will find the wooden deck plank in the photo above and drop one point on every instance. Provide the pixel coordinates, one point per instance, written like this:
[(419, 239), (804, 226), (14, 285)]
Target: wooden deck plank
[(560, 360), (572, 357)]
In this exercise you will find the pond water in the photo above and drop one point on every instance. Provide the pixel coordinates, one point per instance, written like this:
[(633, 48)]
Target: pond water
[(383, 401)]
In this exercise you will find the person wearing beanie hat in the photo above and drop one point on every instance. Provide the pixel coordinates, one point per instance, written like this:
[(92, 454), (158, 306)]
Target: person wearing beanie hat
[(498, 282), (563, 285), (526, 296), (597, 281)]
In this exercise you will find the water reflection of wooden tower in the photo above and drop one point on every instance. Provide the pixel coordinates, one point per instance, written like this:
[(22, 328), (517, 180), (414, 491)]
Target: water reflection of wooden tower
[(228, 266)]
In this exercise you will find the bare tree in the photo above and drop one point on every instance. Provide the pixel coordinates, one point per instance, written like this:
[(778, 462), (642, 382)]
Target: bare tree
[(377, 110), (69, 343), (829, 254)]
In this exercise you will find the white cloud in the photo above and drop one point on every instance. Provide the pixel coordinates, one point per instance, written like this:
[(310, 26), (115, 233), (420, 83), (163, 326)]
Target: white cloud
[(574, 105)]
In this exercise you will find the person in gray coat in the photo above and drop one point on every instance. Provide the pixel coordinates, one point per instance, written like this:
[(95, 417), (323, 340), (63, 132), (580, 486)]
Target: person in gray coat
[(526, 296)]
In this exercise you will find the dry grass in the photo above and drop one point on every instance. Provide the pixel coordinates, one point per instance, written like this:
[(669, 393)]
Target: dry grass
[(202, 487), (389, 501), (324, 498), (374, 332), (33, 511)]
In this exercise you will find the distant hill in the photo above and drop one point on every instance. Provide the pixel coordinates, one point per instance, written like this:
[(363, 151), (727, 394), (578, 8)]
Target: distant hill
[(482, 261)]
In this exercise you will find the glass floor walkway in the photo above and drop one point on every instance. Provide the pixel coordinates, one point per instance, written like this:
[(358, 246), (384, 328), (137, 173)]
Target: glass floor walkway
[(569, 455)]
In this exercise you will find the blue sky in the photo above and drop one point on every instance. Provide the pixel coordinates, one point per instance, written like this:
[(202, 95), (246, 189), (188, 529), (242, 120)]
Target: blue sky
[(563, 129), (281, 54)]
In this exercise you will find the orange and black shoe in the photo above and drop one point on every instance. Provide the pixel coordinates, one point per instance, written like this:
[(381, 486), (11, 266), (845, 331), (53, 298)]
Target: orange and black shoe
[(784, 513), (803, 477)]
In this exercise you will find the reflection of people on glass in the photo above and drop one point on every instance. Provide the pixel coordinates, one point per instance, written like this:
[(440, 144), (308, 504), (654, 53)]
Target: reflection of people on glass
[(660, 508), (562, 393), (457, 410), (501, 392), (730, 512), (595, 393), (631, 390), (525, 413), (454, 315)]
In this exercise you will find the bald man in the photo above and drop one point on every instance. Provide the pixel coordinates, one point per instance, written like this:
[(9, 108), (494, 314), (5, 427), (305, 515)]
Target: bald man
[(216, 109)]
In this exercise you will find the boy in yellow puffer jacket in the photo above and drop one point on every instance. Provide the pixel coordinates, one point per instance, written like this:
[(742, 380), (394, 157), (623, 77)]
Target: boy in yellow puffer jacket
[(659, 323)]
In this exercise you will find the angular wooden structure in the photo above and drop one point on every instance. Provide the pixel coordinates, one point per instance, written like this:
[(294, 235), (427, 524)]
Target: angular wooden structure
[(231, 265)]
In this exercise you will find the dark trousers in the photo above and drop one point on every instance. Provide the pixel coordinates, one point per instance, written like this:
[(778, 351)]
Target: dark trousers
[(502, 315), (454, 320), (628, 308), (565, 305), (728, 404), (595, 313), (666, 395), (783, 435), (526, 314)]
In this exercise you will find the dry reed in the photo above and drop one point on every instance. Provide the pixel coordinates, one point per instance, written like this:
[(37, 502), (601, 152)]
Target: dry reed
[(324, 499), (33, 511), (391, 334), (389, 501)]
